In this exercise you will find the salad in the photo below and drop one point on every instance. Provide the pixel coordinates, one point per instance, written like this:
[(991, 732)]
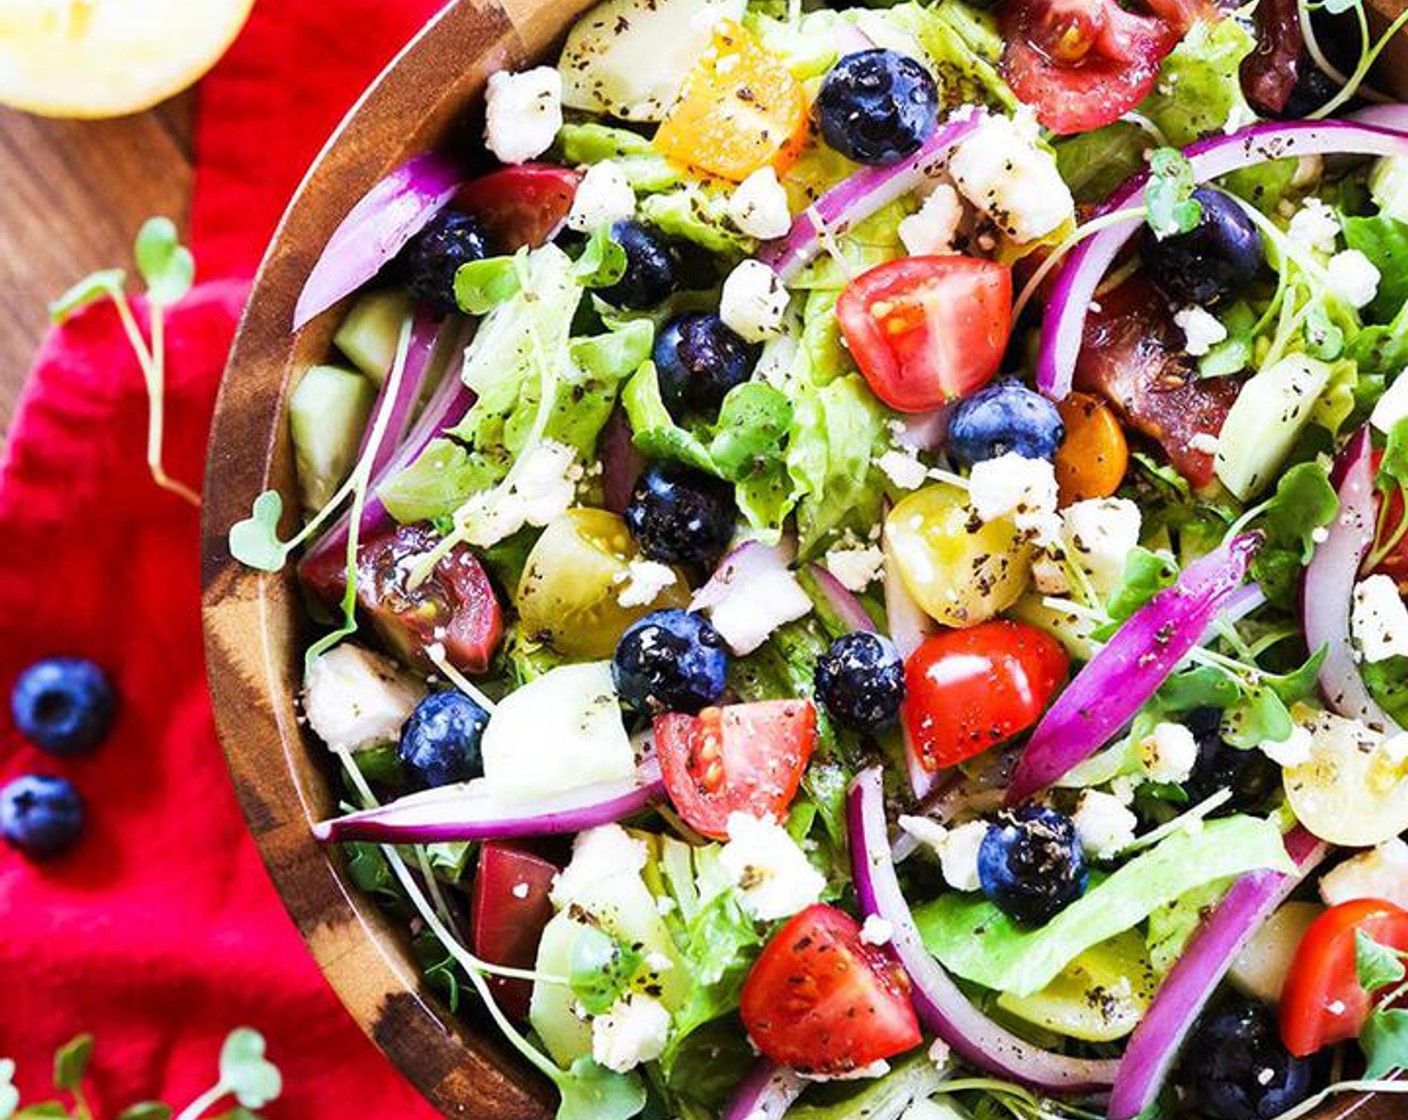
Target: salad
[(855, 556)]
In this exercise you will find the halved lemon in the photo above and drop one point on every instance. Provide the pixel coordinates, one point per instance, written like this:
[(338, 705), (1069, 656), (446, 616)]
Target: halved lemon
[(107, 58)]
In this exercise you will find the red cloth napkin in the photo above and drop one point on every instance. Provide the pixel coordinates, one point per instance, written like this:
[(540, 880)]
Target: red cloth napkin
[(161, 931)]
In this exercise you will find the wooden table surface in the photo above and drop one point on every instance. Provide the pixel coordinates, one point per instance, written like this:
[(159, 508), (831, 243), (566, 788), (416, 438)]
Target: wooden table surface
[(72, 196)]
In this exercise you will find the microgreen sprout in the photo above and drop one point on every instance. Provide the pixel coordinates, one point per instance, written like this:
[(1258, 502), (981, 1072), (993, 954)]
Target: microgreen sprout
[(1172, 209), (167, 269)]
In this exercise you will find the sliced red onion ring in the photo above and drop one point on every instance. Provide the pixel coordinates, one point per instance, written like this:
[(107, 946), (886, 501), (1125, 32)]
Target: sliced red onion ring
[(469, 811), (388, 216), (861, 195), (940, 1004), (1383, 116), (1131, 666), (1063, 327), (425, 332), (841, 600), (766, 1093), (1154, 1046), (741, 567), (909, 626), (1328, 588), (621, 463)]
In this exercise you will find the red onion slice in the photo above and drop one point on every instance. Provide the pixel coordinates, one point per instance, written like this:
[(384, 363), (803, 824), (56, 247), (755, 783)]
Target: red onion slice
[(1328, 588), (861, 195), (1063, 327), (1394, 117), (425, 332), (842, 600), (1130, 667), (1154, 1046), (621, 463), (469, 811), (744, 565), (388, 216), (767, 1093), (941, 1005)]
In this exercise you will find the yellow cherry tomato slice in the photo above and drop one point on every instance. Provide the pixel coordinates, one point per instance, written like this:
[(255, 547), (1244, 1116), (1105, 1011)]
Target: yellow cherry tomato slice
[(1092, 460)]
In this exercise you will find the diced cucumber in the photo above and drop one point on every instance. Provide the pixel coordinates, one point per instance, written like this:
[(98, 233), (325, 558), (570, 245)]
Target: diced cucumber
[(1388, 184), (327, 415), (1266, 420), (628, 58), (369, 334)]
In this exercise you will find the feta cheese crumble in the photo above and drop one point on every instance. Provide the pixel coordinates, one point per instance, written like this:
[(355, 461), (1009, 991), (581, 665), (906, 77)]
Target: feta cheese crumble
[(856, 568), (957, 848), (597, 854), (1392, 406), (876, 931), (1017, 487), (1100, 533), (749, 612), (1381, 872), (355, 698), (603, 197), (1314, 226), (753, 302), (931, 229), (1379, 619), (903, 468), (1353, 278), (1201, 330), (522, 113), (1002, 171), (773, 875), (543, 487), (758, 206), (635, 1030), (642, 582), (1169, 753), (1104, 824)]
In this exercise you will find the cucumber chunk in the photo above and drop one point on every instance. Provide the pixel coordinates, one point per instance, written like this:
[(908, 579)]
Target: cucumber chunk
[(1265, 422), (328, 413), (369, 334)]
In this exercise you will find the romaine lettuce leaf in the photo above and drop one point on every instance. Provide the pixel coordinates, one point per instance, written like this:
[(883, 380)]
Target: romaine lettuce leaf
[(697, 213), (644, 168), (1384, 241), (1199, 88), (1172, 926), (962, 46), (1095, 163)]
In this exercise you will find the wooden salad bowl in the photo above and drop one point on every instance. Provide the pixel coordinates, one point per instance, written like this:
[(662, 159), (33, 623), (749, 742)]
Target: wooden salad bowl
[(255, 625)]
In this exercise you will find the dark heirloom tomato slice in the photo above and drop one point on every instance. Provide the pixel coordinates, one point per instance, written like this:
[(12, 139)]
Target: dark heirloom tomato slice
[(1084, 63), (1270, 72), (1132, 356), (744, 758), (924, 330), (509, 907), (456, 606), (822, 1001), (520, 206)]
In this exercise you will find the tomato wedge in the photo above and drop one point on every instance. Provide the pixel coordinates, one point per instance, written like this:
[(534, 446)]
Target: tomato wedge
[(968, 690), (1082, 64), (823, 1002), (1322, 1002), (508, 909), (743, 758), (520, 206), (925, 330)]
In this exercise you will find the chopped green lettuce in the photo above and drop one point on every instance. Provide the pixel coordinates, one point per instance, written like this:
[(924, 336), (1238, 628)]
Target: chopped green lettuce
[(1172, 925), (1094, 164), (1199, 88), (961, 45), (886, 1098), (644, 168), (974, 939), (1384, 241), (871, 242), (698, 213)]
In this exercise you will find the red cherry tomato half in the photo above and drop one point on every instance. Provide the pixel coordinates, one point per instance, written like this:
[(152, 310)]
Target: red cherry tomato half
[(520, 206), (968, 690), (1083, 63), (924, 330), (1395, 562), (1322, 1002), (744, 758), (508, 909), (822, 1001)]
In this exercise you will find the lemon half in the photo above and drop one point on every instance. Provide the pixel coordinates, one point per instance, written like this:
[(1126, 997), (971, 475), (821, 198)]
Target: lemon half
[(107, 58)]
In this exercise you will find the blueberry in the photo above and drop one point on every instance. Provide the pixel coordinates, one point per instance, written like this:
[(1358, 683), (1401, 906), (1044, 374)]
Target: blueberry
[(860, 679), (699, 360), (1004, 417), (877, 106), (435, 254), (1235, 1068), (1031, 864), (64, 705), (1249, 774), (1214, 259), (670, 661), (652, 268), (440, 742), (680, 515), (40, 816)]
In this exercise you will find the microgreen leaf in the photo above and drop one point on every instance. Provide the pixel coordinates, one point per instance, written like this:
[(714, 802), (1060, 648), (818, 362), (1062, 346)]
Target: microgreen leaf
[(1261, 717), (1323, 338), (601, 969), (94, 287), (255, 540), (71, 1062), (1304, 502), (1384, 1040), (167, 266), (146, 1110), (9, 1095), (1146, 573), (1376, 966), (1172, 209), (1298, 684), (603, 261), (592, 1092), (244, 1071), (1234, 353), (481, 286), (1339, 7), (1202, 686)]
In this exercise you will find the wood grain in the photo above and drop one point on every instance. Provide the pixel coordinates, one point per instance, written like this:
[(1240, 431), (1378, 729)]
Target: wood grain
[(72, 196)]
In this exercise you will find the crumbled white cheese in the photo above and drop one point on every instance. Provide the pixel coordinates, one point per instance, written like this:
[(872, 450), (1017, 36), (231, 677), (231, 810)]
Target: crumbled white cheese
[(856, 568), (642, 582), (930, 230), (1169, 753), (758, 206), (958, 860), (1204, 442), (355, 698), (544, 487), (751, 611), (1001, 170), (603, 197), (1392, 406), (903, 468), (753, 302), (597, 854), (876, 931), (1353, 278), (773, 875), (873, 1071), (924, 831), (635, 1030), (1049, 574), (1290, 752), (1379, 619), (1017, 487), (1104, 824), (1314, 226), (1381, 872), (1100, 533), (1201, 330), (940, 1053), (522, 113)]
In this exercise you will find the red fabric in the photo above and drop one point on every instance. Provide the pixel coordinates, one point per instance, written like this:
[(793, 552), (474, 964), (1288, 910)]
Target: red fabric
[(161, 932)]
